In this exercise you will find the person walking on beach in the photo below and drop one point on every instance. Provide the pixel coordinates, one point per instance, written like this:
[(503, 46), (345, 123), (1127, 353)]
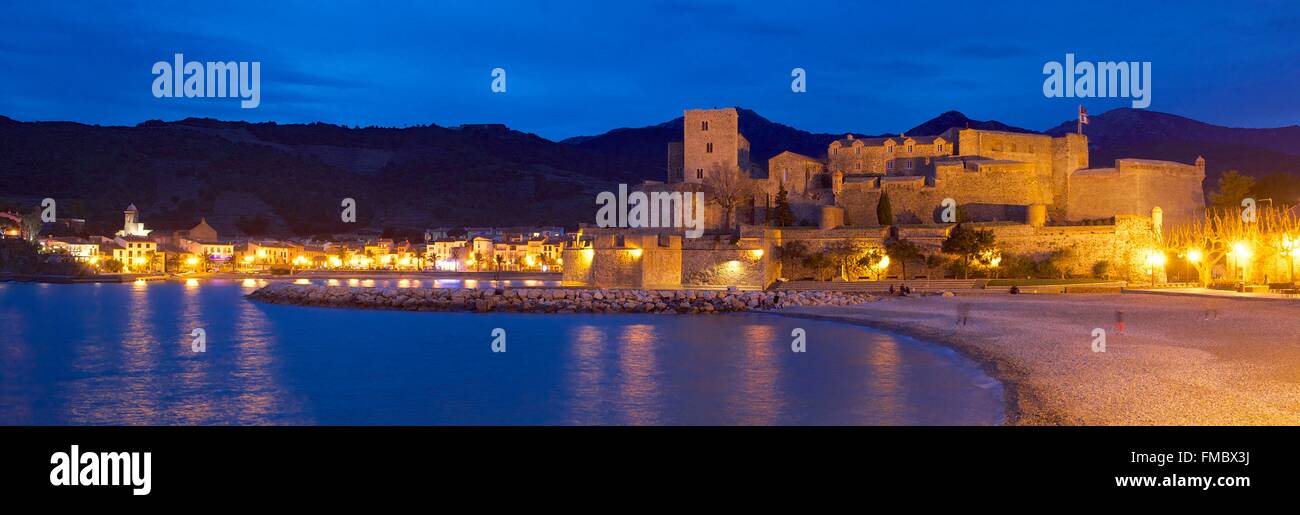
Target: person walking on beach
[(1119, 322), (1211, 310), (963, 313)]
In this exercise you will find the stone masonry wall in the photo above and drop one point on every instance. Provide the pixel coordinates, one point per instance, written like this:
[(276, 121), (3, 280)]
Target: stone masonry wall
[(1135, 186), (723, 132)]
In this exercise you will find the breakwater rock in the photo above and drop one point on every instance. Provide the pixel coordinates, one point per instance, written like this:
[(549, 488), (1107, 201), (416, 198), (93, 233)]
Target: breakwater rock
[(549, 300)]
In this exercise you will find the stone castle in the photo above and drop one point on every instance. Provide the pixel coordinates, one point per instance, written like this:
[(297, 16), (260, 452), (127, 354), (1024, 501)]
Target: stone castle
[(1037, 193), (991, 175)]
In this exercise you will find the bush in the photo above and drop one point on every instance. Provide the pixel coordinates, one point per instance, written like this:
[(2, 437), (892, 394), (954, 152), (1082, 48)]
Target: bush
[(1017, 266), (1101, 269), (24, 257), (111, 266)]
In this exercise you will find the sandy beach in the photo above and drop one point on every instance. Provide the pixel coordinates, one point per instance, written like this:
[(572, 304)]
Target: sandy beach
[(1170, 366)]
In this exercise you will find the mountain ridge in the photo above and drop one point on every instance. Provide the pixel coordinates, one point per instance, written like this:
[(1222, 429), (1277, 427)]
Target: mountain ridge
[(429, 175)]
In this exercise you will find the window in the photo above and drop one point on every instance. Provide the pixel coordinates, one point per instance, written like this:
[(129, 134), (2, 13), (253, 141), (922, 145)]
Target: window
[(907, 165), (699, 173), (909, 149), (939, 148), (889, 149), (704, 125), (889, 166), (858, 151), (708, 148)]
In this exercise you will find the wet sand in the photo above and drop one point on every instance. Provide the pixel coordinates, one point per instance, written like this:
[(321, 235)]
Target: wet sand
[(1171, 366)]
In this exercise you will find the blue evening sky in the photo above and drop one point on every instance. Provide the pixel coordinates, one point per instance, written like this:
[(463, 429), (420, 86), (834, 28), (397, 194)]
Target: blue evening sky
[(577, 68)]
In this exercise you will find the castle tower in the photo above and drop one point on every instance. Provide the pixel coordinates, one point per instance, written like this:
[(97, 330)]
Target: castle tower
[(131, 214), (711, 138), (1069, 153), (131, 225)]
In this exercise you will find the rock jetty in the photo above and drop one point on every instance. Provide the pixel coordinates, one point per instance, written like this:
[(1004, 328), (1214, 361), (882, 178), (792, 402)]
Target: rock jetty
[(549, 300)]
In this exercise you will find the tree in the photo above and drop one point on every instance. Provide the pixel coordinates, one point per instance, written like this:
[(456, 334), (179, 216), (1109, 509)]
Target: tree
[(884, 211), (112, 266), (728, 187), (783, 216), (1233, 186), (969, 245), (1062, 260), (819, 263), (848, 257), (901, 251), (790, 253), (32, 224), (1210, 241), (1283, 188)]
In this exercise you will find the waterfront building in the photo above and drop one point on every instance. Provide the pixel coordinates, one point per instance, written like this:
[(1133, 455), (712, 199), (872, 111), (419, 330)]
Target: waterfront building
[(131, 225), (82, 249)]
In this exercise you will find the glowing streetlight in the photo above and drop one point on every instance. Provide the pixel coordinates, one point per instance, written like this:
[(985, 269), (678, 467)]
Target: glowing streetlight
[(1155, 259), (1241, 253), (1194, 255)]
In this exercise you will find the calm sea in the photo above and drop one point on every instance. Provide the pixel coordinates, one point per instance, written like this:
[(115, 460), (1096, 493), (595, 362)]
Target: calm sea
[(122, 354)]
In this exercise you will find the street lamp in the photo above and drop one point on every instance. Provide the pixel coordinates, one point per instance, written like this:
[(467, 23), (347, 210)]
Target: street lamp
[(1194, 256), (1241, 254), (1155, 259)]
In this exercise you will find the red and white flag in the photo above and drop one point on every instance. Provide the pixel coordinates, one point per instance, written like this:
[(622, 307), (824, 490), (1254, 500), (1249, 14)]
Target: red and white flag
[(1083, 115)]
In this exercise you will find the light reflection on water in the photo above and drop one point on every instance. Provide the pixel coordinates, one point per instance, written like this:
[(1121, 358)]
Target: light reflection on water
[(121, 354)]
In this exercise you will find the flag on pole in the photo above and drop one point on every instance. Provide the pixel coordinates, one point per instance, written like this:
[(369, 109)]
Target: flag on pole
[(1083, 115)]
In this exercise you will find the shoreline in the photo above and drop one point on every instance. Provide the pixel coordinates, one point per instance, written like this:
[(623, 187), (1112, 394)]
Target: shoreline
[(1172, 365), (1018, 405)]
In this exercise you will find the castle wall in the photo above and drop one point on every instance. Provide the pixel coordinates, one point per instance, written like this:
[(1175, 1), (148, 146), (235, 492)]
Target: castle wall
[(993, 182), (711, 265), (644, 259), (1134, 187), (1124, 245), (798, 172)]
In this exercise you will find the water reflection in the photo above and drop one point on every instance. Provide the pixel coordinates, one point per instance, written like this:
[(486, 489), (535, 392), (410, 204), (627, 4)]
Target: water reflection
[(121, 354), (639, 384), (587, 374), (760, 374)]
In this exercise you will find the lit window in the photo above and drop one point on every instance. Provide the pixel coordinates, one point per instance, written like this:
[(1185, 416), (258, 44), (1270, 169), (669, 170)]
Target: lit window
[(939, 148), (909, 149)]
